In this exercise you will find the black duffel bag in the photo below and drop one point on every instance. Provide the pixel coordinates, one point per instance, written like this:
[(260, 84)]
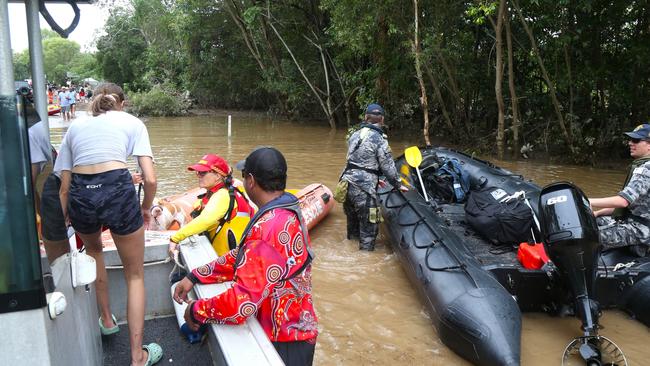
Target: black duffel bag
[(501, 222)]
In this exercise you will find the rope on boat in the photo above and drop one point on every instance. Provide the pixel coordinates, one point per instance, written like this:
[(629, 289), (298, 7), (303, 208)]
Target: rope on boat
[(461, 266)]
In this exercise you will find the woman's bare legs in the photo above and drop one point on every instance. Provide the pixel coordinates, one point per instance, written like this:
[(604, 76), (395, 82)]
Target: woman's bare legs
[(131, 250), (93, 244), (55, 248)]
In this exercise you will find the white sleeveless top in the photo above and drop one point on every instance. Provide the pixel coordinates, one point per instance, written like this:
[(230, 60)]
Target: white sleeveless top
[(111, 136)]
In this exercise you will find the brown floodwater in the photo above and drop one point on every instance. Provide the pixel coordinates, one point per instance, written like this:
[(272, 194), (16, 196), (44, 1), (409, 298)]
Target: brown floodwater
[(369, 313)]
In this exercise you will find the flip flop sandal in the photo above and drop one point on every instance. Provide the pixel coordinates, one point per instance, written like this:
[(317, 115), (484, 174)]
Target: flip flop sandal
[(155, 353), (111, 330)]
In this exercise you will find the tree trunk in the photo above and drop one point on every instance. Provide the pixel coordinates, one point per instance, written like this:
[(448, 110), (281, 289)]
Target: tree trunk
[(418, 72), (436, 90), (380, 59), (328, 100), (551, 86), (326, 108), (235, 14), (567, 60), (514, 101), (346, 99), (460, 105), (498, 79)]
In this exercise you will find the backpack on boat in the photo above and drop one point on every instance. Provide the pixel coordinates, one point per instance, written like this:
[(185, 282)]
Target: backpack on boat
[(501, 220), (449, 182)]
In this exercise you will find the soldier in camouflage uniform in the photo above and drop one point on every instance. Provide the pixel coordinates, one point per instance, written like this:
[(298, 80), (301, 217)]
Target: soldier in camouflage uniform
[(624, 219), (368, 157)]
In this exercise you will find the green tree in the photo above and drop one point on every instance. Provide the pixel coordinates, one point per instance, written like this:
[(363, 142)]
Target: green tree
[(576, 69), (21, 65), (220, 70), (59, 55), (121, 51)]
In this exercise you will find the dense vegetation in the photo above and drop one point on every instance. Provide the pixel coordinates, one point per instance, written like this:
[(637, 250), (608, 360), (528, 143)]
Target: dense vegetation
[(565, 76), (62, 61)]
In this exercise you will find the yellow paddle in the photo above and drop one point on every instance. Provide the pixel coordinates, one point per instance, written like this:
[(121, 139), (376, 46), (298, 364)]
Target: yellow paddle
[(414, 158)]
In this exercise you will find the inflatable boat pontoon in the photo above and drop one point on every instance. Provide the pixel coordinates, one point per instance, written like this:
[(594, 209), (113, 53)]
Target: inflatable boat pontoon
[(474, 290)]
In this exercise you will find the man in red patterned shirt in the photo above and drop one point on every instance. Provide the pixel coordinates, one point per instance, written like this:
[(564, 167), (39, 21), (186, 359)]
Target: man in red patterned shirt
[(270, 269)]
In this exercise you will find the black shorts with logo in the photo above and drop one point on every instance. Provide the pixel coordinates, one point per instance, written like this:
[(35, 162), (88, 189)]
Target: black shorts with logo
[(52, 221), (105, 199)]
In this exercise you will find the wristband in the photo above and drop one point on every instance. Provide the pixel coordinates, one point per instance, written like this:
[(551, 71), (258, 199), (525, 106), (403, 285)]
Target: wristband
[(190, 276)]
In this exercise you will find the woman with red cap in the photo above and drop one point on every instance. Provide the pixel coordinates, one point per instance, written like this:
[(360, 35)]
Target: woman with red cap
[(222, 213)]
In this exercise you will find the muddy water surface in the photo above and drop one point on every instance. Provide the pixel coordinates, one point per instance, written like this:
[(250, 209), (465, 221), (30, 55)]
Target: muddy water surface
[(369, 312)]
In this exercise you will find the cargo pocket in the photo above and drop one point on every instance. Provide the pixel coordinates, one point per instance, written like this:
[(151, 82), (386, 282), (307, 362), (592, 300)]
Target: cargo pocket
[(341, 191), (374, 215)]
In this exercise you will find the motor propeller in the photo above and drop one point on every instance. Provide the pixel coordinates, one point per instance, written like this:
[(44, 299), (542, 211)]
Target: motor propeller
[(593, 351)]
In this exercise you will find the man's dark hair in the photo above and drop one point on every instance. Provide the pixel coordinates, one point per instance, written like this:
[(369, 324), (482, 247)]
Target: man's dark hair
[(373, 118), (270, 185)]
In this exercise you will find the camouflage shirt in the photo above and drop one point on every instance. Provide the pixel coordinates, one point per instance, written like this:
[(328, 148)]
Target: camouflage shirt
[(368, 149), (637, 192)]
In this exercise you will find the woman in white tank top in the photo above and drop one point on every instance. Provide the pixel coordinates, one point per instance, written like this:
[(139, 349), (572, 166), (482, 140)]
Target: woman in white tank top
[(97, 192)]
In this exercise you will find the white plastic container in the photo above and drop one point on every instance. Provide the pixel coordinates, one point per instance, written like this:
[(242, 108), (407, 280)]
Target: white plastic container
[(83, 269)]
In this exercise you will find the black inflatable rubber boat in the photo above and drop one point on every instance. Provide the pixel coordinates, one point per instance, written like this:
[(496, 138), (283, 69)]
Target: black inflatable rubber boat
[(475, 290)]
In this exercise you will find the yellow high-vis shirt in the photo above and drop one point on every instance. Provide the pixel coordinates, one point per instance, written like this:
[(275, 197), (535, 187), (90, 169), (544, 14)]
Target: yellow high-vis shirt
[(208, 220)]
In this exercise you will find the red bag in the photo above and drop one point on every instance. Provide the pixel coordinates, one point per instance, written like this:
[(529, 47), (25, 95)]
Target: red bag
[(532, 255)]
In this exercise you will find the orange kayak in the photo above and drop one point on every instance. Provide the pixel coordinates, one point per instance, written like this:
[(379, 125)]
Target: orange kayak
[(53, 109)]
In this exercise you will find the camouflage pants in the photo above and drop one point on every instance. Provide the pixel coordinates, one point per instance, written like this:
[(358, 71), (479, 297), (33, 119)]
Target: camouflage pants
[(624, 233), (357, 209)]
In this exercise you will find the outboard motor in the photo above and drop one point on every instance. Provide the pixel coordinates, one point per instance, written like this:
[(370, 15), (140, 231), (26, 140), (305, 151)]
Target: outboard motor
[(571, 240)]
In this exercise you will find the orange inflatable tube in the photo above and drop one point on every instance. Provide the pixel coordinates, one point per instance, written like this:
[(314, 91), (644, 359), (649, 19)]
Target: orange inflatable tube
[(316, 201), (170, 213)]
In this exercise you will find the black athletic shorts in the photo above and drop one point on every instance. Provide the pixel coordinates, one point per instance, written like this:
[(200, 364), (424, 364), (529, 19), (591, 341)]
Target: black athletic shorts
[(52, 221), (296, 353), (105, 199)]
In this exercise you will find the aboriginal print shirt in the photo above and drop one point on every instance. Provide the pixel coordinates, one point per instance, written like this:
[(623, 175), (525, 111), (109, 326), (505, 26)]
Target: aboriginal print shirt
[(273, 250)]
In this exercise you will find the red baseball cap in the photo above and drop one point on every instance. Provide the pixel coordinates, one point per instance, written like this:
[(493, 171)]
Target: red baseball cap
[(211, 162)]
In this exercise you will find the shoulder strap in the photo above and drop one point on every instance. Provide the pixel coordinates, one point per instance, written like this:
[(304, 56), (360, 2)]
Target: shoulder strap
[(356, 147), (226, 217), (293, 207)]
